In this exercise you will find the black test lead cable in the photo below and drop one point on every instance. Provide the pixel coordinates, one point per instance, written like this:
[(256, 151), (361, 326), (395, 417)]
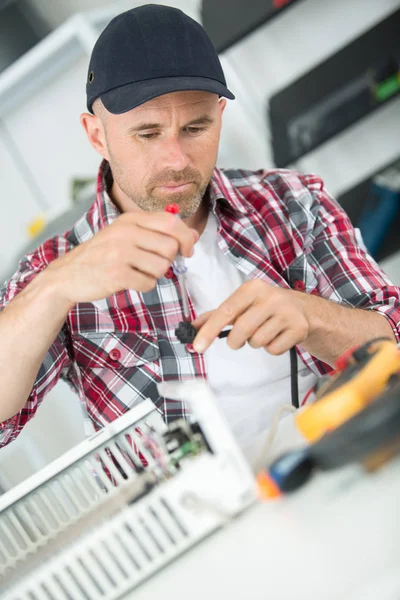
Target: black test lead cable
[(294, 380)]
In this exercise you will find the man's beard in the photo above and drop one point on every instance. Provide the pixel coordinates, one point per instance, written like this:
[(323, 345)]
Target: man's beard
[(152, 200), (188, 201)]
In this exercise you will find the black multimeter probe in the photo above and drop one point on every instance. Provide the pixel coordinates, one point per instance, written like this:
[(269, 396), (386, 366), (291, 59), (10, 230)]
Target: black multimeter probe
[(186, 333)]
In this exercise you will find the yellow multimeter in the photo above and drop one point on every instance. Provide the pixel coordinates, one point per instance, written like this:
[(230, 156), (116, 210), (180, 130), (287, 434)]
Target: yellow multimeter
[(362, 374)]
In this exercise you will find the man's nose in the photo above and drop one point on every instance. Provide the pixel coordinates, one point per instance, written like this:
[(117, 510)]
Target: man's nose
[(175, 156)]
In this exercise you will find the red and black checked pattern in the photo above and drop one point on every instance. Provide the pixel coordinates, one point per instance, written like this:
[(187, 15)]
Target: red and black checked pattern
[(276, 225)]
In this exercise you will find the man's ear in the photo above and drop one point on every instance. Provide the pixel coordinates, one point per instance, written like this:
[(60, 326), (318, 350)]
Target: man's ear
[(222, 103), (94, 129)]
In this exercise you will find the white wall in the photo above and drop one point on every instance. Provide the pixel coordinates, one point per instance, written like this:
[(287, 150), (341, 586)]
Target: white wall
[(18, 207), (56, 12), (48, 135), (52, 143)]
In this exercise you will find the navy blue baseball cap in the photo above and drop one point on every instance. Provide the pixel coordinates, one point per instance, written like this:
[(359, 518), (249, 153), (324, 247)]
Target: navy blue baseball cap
[(149, 51)]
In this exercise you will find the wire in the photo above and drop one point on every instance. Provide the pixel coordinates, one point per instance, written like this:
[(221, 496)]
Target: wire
[(262, 461), (290, 408), (308, 394), (294, 384)]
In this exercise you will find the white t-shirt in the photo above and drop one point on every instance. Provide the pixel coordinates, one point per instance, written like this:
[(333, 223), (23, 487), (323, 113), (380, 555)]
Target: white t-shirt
[(250, 385)]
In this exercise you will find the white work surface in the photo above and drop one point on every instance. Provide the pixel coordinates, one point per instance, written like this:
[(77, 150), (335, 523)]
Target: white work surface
[(337, 538)]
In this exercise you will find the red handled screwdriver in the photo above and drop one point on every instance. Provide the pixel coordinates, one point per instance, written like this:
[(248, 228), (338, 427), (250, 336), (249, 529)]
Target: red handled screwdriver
[(179, 268), (185, 331)]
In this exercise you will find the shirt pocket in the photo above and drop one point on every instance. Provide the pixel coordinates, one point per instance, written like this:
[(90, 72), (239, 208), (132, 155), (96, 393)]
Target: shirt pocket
[(114, 350), (117, 371)]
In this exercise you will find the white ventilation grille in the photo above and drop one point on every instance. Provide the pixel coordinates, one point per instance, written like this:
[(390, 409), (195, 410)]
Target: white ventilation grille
[(72, 494), (114, 559)]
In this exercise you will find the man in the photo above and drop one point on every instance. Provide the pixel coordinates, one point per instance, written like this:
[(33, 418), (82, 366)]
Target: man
[(268, 252)]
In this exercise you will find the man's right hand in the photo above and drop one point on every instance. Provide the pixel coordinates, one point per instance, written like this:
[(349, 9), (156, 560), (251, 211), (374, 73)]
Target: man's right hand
[(132, 253)]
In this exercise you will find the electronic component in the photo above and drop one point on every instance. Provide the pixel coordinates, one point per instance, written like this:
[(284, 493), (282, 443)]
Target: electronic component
[(361, 375), (337, 93), (182, 441), (371, 437), (356, 417), (118, 507)]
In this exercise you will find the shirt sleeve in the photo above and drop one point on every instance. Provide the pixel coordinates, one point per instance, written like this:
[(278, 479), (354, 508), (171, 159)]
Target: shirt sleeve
[(55, 363), (345, 272)]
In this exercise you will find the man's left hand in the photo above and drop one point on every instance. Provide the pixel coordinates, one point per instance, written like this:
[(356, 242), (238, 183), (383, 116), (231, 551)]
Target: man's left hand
[(263, 315)]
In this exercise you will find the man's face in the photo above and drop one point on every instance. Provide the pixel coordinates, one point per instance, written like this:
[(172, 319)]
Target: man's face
[(164, 151)]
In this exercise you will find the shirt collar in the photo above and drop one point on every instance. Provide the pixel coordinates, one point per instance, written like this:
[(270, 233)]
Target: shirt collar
[(222, 193), (104, 211)]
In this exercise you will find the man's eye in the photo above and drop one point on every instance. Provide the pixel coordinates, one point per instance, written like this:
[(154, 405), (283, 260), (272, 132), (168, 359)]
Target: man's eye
[(147, 136), (195, 130)]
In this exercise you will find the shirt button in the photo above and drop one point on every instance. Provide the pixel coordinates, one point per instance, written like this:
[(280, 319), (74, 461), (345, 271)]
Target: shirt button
[(115, 354), (189, 348), (314, 292), (299, 285), (169, 274)]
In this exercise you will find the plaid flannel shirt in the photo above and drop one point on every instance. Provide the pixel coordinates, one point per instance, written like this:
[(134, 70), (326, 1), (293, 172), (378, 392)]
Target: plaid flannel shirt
[(276, 225)]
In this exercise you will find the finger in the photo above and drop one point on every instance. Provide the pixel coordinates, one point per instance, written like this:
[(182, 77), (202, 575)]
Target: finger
[(170, 225), (247, 324), (199, 322), (149, 263), (265, 334), (282, 343), (224, 315), (132, 279), (157, 243)]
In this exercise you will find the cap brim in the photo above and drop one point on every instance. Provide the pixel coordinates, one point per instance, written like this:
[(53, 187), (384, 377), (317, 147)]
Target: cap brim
[(126, 97)]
